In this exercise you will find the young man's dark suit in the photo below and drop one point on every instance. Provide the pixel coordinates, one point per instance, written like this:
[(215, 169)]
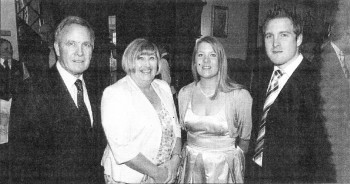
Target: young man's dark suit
[(296, 145), (335, 92), (48, 140)]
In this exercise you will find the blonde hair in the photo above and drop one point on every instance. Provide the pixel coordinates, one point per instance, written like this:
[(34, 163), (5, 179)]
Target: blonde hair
[(225, 84), (139, 46)]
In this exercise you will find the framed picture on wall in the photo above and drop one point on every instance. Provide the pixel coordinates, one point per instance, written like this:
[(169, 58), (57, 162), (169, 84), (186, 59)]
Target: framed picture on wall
[(219, 21)]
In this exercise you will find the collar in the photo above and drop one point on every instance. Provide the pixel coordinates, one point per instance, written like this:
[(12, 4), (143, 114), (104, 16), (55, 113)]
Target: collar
[(2, 60), (68, 78), (336, 49), (290, 68)]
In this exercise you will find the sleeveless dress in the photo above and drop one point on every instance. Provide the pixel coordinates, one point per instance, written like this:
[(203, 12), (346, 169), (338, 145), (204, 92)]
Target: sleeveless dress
[(210, 155)]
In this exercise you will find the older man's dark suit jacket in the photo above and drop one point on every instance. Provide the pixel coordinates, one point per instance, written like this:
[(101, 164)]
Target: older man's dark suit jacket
[(335, 91), (296, 144), (48, 141)]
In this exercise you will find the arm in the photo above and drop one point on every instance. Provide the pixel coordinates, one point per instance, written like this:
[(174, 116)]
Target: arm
[(125, 134), (244, 144), (174, 162), (245, 116), (141, 164)]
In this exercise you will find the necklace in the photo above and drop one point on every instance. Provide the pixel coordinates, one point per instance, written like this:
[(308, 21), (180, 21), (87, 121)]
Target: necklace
[(206, 95)]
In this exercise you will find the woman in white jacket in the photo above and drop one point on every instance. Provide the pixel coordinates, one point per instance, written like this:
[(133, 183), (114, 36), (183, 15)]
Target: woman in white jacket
[(140, 121)]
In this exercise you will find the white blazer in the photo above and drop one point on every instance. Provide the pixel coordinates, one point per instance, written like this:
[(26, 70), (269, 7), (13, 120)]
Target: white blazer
[(132, 126)]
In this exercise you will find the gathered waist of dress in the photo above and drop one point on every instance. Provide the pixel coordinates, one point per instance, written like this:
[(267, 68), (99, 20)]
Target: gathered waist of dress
[(214, 142)]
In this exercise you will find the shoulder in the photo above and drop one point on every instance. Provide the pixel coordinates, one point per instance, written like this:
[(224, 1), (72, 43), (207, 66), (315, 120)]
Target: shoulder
[(327, 48), (161, 83), (47, 81), (305, 78), (121, 86), (240, 94), (185, 92), (162, 86), (188, 88), (306, 69), (16, 65)]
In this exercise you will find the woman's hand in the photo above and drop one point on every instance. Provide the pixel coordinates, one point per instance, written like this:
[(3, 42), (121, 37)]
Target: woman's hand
[(172, 166), (162, 175)]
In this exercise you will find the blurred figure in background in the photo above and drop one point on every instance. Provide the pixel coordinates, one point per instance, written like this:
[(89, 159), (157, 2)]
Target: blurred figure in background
[(165, 73), (335, 91), (12, 75)]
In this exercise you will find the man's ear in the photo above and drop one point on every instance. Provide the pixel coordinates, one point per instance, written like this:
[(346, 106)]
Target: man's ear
[(57, 48), (299, 40)]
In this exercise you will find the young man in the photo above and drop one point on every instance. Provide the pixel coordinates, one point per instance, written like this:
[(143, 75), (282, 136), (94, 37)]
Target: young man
[(55, 132), (291, 144)]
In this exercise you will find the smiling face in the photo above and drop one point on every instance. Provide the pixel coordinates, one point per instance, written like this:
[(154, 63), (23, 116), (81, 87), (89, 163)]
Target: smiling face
[(74, 49), (206, 61), (281, 44), (145, 68)]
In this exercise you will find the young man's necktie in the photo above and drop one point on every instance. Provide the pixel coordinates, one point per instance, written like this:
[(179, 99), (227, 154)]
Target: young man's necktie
[(272, 89)]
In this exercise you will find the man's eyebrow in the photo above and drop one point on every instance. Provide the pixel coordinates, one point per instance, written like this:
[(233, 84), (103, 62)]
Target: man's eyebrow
[(285, 32)]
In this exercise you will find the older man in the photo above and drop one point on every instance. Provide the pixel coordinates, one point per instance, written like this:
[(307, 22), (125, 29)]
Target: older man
[(55, 134)]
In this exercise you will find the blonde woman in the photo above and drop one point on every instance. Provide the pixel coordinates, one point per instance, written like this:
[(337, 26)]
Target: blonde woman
[(216, 113)]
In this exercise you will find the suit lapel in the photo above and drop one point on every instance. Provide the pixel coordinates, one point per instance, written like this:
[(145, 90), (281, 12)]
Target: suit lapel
[(264, 80), (93, 100), (62, 95), (290, 91)]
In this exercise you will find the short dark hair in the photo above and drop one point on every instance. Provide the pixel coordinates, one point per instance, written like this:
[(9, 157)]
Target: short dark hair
[(3, 40), (74, 20), (283, 13)]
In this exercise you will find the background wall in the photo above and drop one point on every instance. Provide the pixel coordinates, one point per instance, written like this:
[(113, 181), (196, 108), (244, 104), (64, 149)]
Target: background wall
[(8, 22), (236, 42)]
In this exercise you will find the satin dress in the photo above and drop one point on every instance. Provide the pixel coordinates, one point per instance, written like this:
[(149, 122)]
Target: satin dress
[(210, 154)]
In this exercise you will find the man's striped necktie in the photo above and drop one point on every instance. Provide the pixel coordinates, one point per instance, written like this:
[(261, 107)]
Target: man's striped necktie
[(343, 65), (270, 98)]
